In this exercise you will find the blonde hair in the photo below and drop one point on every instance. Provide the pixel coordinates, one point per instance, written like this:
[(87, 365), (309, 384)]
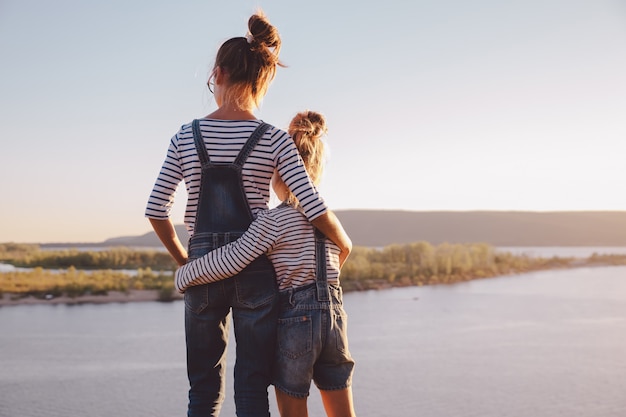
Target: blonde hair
[(250, 61), (307, 129)]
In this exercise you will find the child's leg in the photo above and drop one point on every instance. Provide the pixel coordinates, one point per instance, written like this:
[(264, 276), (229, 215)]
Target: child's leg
[(338, 403), (289, 406), (334, 367)]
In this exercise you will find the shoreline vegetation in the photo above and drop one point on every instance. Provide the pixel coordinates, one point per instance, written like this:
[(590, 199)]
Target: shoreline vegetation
[(123, 274)]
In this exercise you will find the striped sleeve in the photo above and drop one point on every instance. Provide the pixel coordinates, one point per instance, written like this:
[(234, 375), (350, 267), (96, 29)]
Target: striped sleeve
[(162, 196), (230, 259)]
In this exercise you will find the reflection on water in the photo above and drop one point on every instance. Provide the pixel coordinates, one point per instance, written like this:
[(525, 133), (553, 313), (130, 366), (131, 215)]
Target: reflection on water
[(542, 344), (10, 268)]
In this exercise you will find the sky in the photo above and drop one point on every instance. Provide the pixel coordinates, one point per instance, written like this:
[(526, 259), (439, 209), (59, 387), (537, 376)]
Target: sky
[(448, 105)]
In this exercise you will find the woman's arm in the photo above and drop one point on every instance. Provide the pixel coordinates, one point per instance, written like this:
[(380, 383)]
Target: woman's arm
[(329, 224), (166, 232), (161, 201)]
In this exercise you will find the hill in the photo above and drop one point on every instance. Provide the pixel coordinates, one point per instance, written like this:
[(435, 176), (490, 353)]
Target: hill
[(147, 239), (498, 228)]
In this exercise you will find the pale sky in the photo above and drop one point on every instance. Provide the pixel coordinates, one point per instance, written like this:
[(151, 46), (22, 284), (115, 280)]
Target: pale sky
[(431, 105)]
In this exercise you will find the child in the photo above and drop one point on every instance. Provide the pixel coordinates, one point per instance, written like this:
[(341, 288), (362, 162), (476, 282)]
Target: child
[(312, 341)]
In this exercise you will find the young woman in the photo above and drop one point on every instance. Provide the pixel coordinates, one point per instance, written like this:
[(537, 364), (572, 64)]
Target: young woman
[(226, 160), (312, 340)]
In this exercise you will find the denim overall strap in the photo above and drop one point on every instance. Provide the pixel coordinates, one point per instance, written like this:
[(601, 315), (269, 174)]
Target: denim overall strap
[(321, 279), (199, 142), (243, 154), (251, 143)]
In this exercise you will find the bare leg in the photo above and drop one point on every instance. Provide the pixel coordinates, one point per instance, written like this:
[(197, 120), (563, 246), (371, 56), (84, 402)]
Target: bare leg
[(338, 403), (289, 406)]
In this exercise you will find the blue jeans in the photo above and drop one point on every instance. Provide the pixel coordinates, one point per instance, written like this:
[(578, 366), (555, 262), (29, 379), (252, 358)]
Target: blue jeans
[(252, 295)]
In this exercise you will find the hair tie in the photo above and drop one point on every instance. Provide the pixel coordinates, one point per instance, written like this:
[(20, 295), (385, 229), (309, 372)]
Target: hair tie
[(249, 37)]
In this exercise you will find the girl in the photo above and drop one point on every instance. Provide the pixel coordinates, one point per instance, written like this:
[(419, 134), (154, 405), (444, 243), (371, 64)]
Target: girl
[(312, 341), (226, 160)]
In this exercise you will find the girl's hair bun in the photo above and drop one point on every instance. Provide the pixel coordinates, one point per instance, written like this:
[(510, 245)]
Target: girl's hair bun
[(309, 123), (307, 129)]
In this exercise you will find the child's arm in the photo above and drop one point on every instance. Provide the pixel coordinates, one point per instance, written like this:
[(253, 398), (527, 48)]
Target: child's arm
[(230, 259)]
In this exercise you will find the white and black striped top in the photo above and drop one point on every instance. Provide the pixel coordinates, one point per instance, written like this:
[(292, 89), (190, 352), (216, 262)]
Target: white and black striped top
[(289, 241), (224, 139)]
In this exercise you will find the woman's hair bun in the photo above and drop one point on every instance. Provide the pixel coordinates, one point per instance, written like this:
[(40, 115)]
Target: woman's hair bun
[(262, 31)]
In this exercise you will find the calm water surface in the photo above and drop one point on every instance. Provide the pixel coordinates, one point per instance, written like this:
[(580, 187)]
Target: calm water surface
[(563, 251), (542, 344)]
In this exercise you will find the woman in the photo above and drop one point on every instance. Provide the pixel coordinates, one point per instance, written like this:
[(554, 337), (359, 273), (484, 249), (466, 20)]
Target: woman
[(226, 160), (312, 340)]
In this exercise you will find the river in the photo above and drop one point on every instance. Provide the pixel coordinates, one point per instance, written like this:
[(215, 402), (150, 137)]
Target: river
[(541, 344)]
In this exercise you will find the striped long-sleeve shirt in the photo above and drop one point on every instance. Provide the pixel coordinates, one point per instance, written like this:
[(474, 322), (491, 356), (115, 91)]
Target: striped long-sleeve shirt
[(224, 139), (284, 234)]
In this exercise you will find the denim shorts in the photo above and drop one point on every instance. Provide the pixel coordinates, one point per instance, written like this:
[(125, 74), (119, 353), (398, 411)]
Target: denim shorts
[(312, 342)]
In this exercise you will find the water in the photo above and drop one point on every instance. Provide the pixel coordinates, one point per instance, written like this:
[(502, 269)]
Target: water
[(563, 251), (542, 344)]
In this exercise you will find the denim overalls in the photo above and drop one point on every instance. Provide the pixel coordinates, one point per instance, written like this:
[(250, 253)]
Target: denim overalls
[(223, 215), (312, 335)]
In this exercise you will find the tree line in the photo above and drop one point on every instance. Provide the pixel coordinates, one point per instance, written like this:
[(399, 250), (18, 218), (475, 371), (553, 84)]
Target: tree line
[(422, 263), (31, 256)]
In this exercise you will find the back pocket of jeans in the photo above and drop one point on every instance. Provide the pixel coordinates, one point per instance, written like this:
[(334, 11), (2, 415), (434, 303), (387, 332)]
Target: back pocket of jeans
[(295, 336), (197, 298), (255, 288)]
